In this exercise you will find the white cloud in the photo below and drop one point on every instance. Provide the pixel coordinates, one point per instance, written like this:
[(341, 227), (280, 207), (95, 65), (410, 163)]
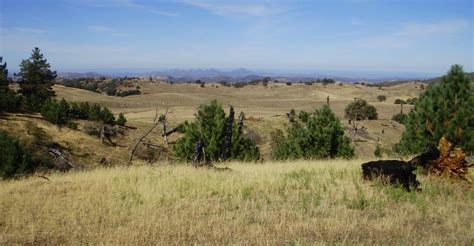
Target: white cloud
[(29, 30), (122, 4), (409, 33), (106, 30), (239, 8)]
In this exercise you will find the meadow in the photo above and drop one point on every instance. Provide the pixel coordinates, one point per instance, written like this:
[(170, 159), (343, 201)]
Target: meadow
[(297, 202), (302, 202)]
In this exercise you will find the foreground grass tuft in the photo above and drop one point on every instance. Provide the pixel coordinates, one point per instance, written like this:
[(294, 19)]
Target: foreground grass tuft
[(298, 202)]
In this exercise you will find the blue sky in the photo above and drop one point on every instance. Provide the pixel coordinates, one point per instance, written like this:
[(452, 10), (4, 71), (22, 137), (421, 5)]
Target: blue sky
[(357, 35)]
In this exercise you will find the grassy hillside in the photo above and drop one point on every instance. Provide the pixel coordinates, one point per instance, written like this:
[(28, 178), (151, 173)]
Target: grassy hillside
[(275, 203), (265, 107)]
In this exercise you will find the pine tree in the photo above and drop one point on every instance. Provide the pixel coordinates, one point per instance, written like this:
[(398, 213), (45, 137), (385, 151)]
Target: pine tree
[(37, 79), (9, 101), (121, 121), (107, 116), (210, 127), (15, 159), (55, 112), (3, 75), (314, 136), (447, 110)]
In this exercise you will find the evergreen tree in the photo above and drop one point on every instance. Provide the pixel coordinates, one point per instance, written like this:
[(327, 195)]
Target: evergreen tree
[(210, 128), (15, 159), (55, 112), (314, 136), (95, 113), (107, 116), (37, 79), (3, 75), (447, 110), (9, 101), (121, 121)]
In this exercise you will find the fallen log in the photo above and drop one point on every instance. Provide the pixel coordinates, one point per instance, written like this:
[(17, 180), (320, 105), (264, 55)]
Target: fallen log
[(395, 171)]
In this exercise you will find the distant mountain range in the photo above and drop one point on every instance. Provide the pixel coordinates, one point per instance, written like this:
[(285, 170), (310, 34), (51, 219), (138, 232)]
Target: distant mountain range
[(241, 75)]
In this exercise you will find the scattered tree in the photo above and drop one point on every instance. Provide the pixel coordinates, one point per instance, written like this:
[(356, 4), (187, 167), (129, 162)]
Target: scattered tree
[(360, 110), (36, 80)]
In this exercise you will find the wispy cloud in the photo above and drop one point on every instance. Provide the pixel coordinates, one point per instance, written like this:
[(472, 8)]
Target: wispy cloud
[(105, 30), (123, 4), (239, 8), (29, 30), (412, 32), (357, 22)]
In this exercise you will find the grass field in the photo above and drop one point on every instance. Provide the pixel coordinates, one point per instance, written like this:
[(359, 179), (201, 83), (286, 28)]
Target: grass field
[(299, 202), (302, 202)]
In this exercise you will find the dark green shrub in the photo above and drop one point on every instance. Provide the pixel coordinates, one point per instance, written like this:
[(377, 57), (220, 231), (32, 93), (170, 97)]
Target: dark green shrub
[(378, 151), (313, 136), (400, 101), (381, 98), (210, 125), (107, 116), (360, 110), (15, 159), (412, 101), (400, 118), (55, 112), (121, 121), (72, 125)]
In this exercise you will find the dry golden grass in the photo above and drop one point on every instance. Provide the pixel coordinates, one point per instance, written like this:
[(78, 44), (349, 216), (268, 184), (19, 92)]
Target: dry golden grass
[(266, 105), (272, 203)]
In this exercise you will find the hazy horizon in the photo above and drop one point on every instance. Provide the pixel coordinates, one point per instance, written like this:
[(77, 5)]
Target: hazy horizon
[(354, 36)]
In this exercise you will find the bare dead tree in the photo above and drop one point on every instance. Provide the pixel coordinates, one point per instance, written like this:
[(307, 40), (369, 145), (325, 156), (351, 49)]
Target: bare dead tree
[(228, 137), (155, 123), (198, 151)]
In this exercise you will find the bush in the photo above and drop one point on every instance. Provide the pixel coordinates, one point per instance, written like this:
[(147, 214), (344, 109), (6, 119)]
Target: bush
[(400, 118), (211, 125), (15, 159), (411, 101), (121, 121), (55, 112), (72, 125), (378, 151), (313, 136), (288, 83), (400, 101), (381, 98), (9, 100), (106, 116), (360, 110)]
